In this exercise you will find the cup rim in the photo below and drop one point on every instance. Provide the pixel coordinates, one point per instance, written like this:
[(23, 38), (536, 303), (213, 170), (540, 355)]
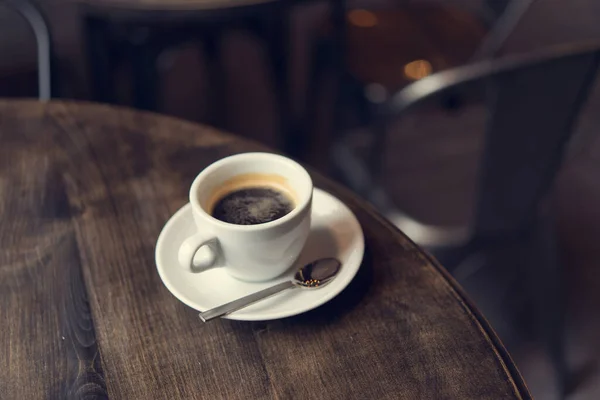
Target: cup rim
[(302, 204)]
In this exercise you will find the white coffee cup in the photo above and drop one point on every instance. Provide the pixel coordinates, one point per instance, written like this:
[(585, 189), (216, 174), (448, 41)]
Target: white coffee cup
[(249, 252)]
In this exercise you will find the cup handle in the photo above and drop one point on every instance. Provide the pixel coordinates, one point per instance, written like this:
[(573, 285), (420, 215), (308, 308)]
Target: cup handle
[(190, 247)]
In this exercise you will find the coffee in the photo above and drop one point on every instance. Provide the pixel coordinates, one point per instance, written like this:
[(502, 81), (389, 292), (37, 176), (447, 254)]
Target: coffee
[(251, 206), (252, 199)]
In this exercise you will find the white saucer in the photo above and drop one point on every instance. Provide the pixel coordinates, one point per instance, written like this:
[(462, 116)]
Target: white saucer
[(335, 232)]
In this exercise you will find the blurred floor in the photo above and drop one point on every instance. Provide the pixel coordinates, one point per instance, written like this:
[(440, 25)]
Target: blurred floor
[(431, 152)]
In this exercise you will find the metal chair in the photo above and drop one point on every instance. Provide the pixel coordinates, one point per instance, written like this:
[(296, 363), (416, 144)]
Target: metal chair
[(532, 103), (349, 52), (510, 13), (38, 25)]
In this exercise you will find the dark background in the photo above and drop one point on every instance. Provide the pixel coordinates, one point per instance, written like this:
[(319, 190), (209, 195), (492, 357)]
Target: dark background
[(435, 151)]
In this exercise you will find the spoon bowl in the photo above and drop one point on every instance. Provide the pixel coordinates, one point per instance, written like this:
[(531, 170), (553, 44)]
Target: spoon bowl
[(317, 273)]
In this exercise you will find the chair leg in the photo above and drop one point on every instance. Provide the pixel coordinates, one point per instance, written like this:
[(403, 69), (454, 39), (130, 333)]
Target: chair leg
[(549, 298), (101, 61), (496, 7), (338, 59), (144, 57), (216, 76), (311, 121), (278, 44), (326, 87), (375, 161)]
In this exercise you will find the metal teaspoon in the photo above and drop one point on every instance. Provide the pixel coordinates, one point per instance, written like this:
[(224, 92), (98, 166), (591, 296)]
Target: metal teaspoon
[(312, 276)]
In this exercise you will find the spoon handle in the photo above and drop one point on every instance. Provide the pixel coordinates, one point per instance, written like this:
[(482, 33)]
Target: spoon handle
[(244, 301)]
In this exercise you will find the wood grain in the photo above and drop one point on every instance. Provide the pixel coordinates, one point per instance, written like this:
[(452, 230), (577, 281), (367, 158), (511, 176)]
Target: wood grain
[(85, 191), (49, 348)]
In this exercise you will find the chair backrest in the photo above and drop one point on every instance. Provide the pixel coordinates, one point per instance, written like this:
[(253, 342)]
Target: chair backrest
[(533, 102), (40, 29), (510, 13)]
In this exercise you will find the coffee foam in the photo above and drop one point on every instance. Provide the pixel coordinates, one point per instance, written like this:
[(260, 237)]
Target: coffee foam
[(245, 181)]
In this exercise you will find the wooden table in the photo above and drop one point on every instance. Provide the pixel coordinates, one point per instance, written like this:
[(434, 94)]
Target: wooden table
[(84, 191)]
